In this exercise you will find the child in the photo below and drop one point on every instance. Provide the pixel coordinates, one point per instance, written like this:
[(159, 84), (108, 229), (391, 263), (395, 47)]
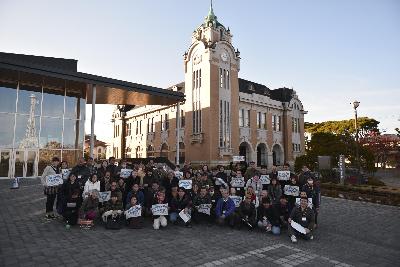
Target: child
[(90, 206)]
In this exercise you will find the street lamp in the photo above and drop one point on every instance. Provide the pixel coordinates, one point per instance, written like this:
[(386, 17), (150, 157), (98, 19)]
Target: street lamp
[(356, 104)]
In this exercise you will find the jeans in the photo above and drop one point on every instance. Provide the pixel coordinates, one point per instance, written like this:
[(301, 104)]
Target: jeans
[(173, 216)]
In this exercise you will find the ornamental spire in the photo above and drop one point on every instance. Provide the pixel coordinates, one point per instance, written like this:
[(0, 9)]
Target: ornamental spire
[(211, 16)]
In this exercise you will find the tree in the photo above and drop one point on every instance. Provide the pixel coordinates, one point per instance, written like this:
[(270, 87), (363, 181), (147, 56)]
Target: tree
[(366, 127)]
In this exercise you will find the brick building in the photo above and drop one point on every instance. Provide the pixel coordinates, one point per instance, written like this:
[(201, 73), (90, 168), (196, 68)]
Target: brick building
[(223, 115)]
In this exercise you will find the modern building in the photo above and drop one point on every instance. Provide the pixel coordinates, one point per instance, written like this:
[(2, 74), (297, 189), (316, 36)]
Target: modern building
[(42, 109), (223, 115)]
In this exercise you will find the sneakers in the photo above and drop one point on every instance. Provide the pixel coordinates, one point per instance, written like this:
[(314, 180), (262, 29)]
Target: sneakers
[(48, 216), (293, 238), (311, 237)]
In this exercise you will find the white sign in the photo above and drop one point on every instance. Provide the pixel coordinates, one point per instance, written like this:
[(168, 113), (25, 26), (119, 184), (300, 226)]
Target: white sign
[(185, 216), (291, 190), (65, 173), (133, 212), (265, 179), (104, 196), (237, 200), (54, 180), (237, 182), (125, 173), (298, 227), (204, 208), (310, 205), (178, 174), (187, 184), (220, 181), (238, 158), (159, 209), (283, 175)]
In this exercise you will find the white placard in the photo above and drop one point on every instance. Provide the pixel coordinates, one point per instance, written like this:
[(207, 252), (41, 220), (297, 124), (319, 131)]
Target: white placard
[(104, 196), (187, 184), (283, 175), (133, 212), (298, 227), (65, 173), (237, 158), (237, 182), (265, 179), (178, 174), (54, 180), (310, 205), (204, 208), (159, 209), (220, 181), (291, 190), (237, 200), (125, 173), (185, 216)]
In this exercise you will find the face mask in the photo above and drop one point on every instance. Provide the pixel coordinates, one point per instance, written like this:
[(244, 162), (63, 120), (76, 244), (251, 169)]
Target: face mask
[(310, 182)]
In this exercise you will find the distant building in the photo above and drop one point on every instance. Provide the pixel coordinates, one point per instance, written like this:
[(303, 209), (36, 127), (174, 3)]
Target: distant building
[(223, 115), (99, 151)]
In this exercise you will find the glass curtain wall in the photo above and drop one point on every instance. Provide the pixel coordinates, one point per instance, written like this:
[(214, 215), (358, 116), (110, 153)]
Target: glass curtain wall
[(40, 118)]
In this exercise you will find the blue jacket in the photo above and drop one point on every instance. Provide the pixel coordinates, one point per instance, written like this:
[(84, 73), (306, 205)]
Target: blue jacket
[(139, 195), (230, 207)]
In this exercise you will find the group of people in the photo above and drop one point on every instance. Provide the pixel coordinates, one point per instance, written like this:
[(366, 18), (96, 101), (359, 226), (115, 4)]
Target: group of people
[(239, 197)]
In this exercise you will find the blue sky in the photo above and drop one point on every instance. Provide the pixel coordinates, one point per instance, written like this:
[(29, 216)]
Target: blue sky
[(331, 52)]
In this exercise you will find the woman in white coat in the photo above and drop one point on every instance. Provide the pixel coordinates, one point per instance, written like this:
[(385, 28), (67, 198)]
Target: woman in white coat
[(50, 191), (92, 184)]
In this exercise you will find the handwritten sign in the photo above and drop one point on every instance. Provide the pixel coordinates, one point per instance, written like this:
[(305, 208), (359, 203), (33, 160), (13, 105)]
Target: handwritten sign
[(178, 174), (159, 209), (185, 216), (291, 190), (125, 173), (65, 173), (204, 208), (104, 196), (133, 212), (237, 200), (54, 180), (310, 205), (283, 175), (187, 184), (298, 227), (237, 182), (237, 158), (265, 179)]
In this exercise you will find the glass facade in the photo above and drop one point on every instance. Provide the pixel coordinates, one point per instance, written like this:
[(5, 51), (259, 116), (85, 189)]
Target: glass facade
[(40, 118)]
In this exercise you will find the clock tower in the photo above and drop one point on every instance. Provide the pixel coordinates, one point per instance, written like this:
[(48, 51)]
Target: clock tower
[(212, 94)]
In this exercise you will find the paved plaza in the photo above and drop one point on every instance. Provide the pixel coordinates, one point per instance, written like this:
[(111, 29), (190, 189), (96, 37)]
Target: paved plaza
[(349, 233)]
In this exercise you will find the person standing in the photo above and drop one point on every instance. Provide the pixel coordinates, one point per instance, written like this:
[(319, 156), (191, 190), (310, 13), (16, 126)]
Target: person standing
[(50, 191)]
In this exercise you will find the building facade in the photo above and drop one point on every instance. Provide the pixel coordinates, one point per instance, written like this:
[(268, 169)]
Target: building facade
[(223, 115)]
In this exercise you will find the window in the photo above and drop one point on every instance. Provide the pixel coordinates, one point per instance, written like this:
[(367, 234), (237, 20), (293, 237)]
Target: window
[(276, 123), (227, 80), (140, 127), (199, 78), (259, 120), (220, 78), (166, 121), (241, 117), (221, 125), (264, 121), (247, 118)]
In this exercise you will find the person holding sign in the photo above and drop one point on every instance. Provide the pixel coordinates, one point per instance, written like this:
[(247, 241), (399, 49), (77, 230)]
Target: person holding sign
[(247, 213), (113, 211), (50, 191), (313, 192), (292, 191), (183, 203), (225, 210), (255, 183), (301, 222), (202, 207), (238, 183), (159, 220), (92, 184), (133, 213)]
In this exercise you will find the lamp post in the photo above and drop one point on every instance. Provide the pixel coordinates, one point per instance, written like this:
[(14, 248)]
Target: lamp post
[(356, 104)]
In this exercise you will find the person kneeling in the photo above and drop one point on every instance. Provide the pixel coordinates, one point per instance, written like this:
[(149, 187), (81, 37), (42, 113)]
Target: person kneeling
[(268, 217), (133, 213), (247, 213), (225, 209), (113, 210), (301, 221), (159, 220)]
